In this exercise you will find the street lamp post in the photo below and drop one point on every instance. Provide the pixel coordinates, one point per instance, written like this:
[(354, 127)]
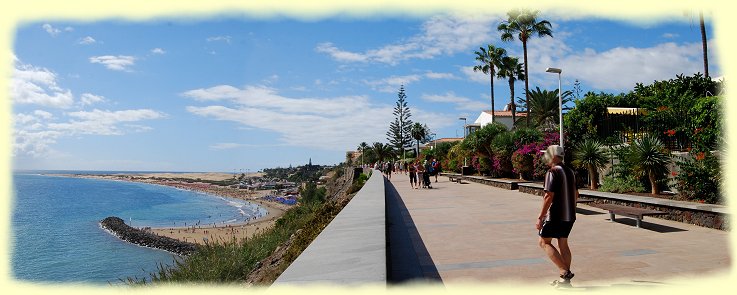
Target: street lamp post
[(560, 102), (434, 140), (465, 164)]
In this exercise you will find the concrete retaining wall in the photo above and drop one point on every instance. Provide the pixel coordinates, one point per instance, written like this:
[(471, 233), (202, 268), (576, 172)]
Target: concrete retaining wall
[(352, 248)]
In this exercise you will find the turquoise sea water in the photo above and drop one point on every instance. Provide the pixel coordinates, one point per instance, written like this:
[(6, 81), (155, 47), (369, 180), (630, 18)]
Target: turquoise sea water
[(56, 235)]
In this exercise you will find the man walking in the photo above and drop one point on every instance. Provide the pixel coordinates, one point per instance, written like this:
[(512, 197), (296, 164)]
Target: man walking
[(558, 212)]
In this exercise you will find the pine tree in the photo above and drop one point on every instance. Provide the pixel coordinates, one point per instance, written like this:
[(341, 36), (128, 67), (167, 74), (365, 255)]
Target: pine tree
[(399, 135)]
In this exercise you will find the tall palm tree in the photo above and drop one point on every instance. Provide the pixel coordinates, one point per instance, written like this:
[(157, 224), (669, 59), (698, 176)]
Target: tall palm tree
[(511, 69), (542, 106), (590, 154), (419, 132), (651, 159), (490, 59), (525, 25), (362, 148), (703, 43)]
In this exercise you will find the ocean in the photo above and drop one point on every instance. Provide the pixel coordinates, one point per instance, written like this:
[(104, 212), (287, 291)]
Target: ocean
[(56, 236)]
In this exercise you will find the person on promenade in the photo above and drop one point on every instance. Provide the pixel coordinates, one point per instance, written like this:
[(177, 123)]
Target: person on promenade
[(426, 176), (558, 212), (405, 167), (412, 175), (436, 168), (420, 174)]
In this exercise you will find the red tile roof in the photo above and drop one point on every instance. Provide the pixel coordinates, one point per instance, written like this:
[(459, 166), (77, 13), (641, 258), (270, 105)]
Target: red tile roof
[(507, 113)]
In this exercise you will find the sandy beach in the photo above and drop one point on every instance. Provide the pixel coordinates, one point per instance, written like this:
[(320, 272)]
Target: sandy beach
[(218, 233), (213, 233)]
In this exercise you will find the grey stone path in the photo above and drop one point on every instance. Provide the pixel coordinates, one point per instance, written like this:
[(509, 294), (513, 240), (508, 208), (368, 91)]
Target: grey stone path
[(475, 232)]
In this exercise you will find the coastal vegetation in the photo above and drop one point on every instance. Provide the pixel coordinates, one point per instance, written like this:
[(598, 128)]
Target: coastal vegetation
[(260, 259)]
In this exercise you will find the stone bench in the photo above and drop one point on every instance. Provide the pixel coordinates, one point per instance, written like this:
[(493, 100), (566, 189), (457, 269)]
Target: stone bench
[(637, 213), (454, 177)]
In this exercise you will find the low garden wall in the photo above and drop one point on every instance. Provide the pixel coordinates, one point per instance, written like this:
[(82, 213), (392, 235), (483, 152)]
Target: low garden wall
[(706, 215)]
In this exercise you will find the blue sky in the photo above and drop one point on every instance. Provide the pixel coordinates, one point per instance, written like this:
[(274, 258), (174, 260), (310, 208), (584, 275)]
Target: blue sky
[(229, 93)]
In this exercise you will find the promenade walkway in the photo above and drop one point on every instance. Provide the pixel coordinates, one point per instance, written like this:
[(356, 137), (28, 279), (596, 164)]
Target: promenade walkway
[(475, 232)]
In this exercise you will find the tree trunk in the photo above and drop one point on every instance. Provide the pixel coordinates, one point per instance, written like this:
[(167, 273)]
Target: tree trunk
[(417, 154), (593, 178), (491, 75), (527, 85), (511, 99), (703, 43), (653, 183)]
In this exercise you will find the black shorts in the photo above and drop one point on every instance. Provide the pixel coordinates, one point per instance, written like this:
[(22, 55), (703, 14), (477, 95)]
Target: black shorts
[(556, 229)]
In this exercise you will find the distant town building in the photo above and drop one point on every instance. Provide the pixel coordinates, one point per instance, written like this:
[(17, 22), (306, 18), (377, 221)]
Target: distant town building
[(431, 144)]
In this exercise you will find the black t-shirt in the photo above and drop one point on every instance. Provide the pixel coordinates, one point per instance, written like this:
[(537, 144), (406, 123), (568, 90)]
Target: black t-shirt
[(561, 181)]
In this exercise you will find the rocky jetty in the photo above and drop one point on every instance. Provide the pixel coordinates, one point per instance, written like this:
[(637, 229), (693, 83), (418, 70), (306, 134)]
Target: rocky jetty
[(143, 238)]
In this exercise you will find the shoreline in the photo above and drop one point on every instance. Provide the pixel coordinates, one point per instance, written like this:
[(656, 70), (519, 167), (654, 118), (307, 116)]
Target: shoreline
[(200, 234)]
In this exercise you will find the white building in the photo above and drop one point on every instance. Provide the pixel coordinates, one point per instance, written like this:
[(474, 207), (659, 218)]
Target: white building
[(504, 117)]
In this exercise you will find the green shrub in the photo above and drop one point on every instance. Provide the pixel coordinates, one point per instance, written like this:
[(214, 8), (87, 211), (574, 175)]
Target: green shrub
[(650, 159), (623, 184), (358, 183), (700, 179), (590, 154)]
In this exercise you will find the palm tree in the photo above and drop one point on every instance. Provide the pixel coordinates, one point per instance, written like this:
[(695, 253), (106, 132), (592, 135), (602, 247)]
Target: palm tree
[(590, 154), (543, 106), (651, 159), (419, 132), (382, 151), (362, 148), (490, 59), (511, 69), (525, 25)]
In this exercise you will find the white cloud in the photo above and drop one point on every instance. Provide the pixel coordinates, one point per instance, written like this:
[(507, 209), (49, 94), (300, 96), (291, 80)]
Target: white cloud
[(262, 96), (670, 35), (475, 76), (433, 75), (460, 102), (158, 51), (271, 79), (34, 143), (51, 30), (36, 85), (392, 83), (340, 55), (34, 134), (116, 63), (99, 122), (439, 35), (88, 99), (87, 41), (336, 123), (44, 115), (225, 39), (225, 146), (232, 145), (615, 69)]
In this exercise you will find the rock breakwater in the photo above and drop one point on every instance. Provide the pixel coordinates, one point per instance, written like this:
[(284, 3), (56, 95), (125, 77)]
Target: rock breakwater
[(143, 238)]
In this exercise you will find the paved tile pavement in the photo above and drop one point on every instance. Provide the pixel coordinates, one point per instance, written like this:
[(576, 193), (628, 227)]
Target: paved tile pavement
[(475, 232)]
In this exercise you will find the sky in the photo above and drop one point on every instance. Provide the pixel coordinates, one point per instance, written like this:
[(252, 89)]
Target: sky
[(242, 94)]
